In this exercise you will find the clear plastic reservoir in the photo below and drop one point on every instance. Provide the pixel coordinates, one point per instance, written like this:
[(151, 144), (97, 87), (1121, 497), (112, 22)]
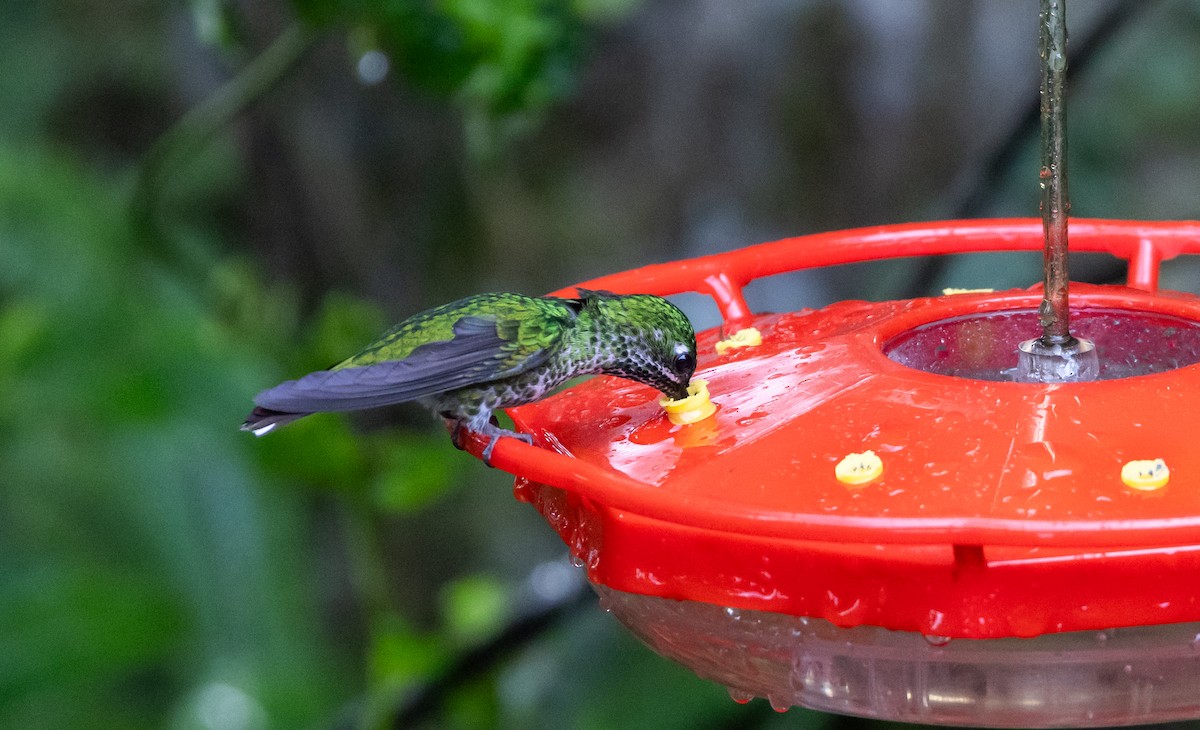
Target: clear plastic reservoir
[(1126, 676)]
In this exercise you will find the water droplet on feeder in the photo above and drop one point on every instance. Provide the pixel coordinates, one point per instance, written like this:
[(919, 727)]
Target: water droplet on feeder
[(1045, 314), (779, 704), (935, 640), (739, 696)]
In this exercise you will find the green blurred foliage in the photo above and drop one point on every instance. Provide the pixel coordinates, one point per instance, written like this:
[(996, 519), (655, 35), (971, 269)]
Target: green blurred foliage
[(133, 520), (475, 607), (160, 568), (505, 61)]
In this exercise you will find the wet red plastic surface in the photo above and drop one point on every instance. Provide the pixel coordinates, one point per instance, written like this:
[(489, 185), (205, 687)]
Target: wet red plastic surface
[(1000, 511)]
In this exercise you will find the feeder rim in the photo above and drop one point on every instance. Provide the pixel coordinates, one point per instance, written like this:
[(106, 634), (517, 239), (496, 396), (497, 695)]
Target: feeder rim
[(622, 493)]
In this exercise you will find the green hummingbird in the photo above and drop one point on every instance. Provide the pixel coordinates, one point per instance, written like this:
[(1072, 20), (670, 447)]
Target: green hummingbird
[(465, 359)]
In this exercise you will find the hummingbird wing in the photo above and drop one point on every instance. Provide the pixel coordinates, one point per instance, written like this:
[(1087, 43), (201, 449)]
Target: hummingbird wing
[(482, 349)]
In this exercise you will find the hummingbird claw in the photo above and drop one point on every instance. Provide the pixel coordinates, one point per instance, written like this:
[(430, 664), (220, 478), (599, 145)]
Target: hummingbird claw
[(487, 450), (457, 430)]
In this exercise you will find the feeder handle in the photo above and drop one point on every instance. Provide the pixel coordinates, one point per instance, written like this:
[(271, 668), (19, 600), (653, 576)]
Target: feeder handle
[(1143, 244)]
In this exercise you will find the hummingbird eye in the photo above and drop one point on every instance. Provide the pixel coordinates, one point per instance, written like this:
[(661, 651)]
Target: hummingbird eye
[(685, 362)]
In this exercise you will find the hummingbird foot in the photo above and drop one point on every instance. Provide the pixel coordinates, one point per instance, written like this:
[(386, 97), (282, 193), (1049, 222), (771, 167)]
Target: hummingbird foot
[(499, 433), (459, 429)]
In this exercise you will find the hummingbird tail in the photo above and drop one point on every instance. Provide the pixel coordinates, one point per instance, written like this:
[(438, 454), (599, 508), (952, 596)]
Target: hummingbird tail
[(262, 421)]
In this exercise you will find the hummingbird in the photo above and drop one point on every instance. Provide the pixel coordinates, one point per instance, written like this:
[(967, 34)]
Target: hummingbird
[(466, 359)]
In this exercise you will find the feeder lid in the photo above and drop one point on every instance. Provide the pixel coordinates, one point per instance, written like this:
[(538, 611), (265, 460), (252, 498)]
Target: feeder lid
[(973, 508)]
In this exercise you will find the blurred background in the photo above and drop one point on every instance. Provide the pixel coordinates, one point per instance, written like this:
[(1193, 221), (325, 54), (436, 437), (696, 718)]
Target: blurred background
[(201, 198)]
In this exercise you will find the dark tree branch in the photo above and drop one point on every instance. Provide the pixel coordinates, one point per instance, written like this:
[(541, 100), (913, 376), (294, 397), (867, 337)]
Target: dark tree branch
[(526, 629)]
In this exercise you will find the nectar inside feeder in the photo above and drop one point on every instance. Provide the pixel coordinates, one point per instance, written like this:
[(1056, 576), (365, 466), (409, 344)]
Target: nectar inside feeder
[(1003, 565)]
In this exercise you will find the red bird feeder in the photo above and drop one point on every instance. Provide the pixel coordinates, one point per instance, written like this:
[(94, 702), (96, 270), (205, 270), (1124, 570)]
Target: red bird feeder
[(1013, 554)]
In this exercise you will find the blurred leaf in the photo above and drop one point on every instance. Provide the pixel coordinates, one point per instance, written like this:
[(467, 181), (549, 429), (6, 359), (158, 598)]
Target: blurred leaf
[(473, 608), (214, 22), (416, 470), (139, 554), (24, 326), (472, 705), (319, 451), (506, 61), (116, 621), (399, 656), (343, 326), (247, 311)]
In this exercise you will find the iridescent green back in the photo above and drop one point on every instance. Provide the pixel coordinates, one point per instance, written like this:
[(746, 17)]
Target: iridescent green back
[(525, 324)]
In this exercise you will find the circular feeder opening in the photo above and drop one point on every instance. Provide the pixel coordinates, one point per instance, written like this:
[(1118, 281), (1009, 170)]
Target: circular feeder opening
[(984, 346)]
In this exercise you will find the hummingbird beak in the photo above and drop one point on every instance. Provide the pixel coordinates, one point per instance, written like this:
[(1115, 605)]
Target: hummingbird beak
[(677, 391)]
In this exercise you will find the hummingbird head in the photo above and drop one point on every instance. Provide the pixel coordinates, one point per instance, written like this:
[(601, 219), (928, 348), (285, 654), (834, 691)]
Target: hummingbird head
[(645, 338)]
